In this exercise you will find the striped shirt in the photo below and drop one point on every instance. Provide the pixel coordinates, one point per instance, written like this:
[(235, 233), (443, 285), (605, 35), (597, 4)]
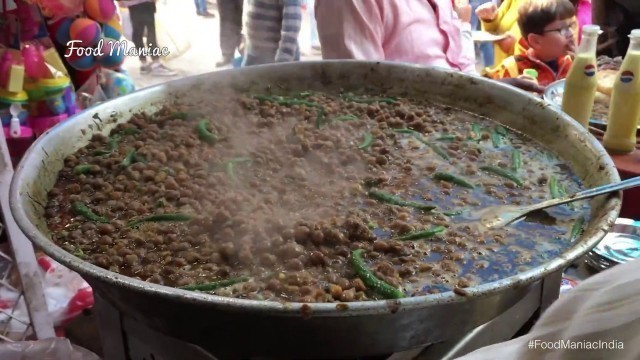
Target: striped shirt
[(272, 28)]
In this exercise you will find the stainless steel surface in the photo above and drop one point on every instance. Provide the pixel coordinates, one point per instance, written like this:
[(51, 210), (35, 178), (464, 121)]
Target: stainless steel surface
[(621, 245), (318, 330), (499, 216), (127, 339)]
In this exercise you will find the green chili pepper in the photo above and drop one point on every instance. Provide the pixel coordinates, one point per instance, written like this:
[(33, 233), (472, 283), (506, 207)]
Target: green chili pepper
[(516, 161), (577, 228), (495, 140), (101, 152), (443, 176), (452, 213), (130, 158), (79, 253), (446, 138), (179, 115), (82, 169), (407, 131), (346, 118), (477, 130), (395, 200), (83, 210), (230, 165), (554, 188), (502, 131), (320, 117), (502, 173), (204, 134), (437, 149), (424, 234), (364, 100), (160, 218), (366, 143), (111, 145), (370, 280), (215, 285)]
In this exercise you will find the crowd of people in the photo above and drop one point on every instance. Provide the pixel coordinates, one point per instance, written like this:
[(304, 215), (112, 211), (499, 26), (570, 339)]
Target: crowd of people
[(426, 32), (540, 35)]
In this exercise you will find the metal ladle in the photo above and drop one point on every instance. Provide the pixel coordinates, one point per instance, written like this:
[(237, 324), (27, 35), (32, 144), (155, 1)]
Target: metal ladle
[(499, 216)]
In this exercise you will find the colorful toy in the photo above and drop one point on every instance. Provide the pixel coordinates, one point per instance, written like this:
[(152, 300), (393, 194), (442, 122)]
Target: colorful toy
[(100, 10), (86, 31), (7, 99), (115, 84), (112, 54), (112, 29), (34, 64), (82, 63), (62, 30)]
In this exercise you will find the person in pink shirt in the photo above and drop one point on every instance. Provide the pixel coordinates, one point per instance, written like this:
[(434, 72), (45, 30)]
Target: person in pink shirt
[(426, 32)]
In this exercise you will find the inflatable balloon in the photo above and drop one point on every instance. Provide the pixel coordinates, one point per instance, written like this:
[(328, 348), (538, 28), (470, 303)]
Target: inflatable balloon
[(100, 10), (86, 31)]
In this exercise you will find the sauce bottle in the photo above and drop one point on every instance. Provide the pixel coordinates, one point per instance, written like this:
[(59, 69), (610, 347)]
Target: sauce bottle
[(581, 83), (624, 110)]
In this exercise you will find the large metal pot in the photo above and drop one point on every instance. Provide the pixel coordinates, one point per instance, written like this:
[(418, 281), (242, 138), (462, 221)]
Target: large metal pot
[(318, 330)]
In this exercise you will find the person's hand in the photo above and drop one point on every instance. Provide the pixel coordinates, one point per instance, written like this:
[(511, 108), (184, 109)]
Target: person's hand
[(507, 43), (464, 12), (487, 12), (523, 84)]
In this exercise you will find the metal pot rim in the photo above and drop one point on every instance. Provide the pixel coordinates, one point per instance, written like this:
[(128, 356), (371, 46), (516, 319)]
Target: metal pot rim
[(317, 309)]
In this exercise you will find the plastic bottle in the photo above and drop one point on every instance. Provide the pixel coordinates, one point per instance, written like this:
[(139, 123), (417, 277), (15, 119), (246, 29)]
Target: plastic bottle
[(624, 110), (581, 83)]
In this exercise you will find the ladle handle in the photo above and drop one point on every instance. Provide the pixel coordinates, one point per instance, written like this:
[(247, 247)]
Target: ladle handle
[(589, 193), (604, 189)]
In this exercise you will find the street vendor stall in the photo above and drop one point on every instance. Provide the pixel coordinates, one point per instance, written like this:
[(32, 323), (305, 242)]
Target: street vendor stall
[(315, 214)]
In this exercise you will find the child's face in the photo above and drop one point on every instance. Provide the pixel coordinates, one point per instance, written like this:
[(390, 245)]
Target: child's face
[(556, 40)]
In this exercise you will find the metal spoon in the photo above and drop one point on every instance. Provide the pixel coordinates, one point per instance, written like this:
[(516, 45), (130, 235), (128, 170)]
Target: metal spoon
[(499, 216)]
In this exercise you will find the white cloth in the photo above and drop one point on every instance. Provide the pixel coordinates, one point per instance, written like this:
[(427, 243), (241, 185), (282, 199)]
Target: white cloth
[(604, 308)]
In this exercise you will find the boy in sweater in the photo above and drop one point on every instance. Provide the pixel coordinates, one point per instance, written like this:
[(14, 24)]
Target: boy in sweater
[(547, 28)]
